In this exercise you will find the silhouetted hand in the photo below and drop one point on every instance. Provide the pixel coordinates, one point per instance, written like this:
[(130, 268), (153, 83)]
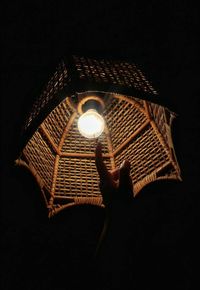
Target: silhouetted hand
[(114, 185)]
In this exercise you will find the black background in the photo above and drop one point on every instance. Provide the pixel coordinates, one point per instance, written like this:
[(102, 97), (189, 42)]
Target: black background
[(162, 38)]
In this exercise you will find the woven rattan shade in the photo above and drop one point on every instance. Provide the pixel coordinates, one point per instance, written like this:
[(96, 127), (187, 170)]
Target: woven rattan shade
[(63, 161)]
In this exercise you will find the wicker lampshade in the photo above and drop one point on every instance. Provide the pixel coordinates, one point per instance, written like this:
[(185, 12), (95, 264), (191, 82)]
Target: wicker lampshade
[(63, 161)]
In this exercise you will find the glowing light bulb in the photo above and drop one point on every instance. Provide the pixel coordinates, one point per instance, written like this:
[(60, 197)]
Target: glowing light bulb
[(91, 124)]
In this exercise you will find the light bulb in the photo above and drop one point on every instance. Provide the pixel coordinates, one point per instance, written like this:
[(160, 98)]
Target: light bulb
[(91, 124)]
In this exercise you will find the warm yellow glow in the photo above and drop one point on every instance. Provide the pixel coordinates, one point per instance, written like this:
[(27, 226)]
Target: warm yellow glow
[(91, 124)]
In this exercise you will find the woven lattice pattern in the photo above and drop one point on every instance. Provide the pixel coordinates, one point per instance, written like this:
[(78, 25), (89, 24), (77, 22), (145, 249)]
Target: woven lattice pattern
[(65, 162), (158, 113), (144, 153), (96, 71), (40, 156), (76, 143), (77, 178), (54, 125), (55, 84), (113, 72), (121, 112)]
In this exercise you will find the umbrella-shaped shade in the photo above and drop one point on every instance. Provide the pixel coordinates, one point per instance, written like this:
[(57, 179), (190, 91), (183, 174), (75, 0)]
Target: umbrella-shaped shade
[(63, 161)]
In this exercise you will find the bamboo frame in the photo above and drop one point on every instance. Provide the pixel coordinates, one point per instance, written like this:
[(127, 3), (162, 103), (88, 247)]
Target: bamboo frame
[(147, 110), (131, 137), (54, 179), (83, 155), (85, 99), (111, 155), (70, 160), (133, 102), (45, 132), (159, 136), (65, 132), (70, 105)]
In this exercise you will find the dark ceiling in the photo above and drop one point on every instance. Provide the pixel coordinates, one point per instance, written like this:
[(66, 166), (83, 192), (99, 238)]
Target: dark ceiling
[(160, 36)]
